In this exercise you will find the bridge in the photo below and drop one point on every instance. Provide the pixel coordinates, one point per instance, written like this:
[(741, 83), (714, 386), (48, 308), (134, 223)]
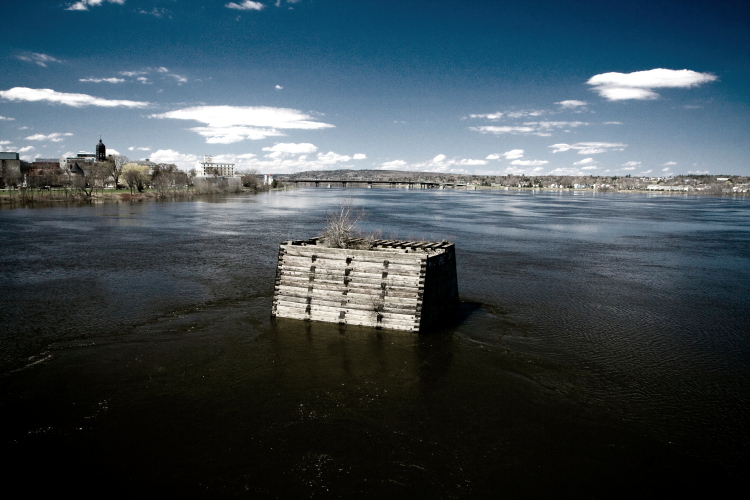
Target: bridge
[(371, 183)]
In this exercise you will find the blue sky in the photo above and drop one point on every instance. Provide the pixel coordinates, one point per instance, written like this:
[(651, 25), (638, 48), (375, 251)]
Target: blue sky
[(488, 87)]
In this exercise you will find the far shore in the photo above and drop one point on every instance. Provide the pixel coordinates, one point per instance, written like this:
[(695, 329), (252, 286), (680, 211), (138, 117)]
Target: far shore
[(48, 197), (25, 198)]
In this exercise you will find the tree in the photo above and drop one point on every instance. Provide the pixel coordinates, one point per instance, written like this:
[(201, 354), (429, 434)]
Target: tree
[(114, 167), (340, 226), (136, 176), (92, 176)]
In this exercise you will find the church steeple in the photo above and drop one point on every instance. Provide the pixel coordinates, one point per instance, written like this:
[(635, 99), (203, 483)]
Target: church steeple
[(101, 151)]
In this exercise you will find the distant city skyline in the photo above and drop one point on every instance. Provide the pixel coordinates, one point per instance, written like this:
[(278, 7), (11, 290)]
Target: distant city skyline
[(538, 87)]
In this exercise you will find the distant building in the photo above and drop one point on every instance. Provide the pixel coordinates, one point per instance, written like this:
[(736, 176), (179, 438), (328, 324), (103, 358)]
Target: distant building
[(207, 168), (82, 158), (10, 166), (101, 151)]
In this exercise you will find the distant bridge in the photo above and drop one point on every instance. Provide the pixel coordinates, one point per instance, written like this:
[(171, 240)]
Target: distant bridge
[(371, 184)]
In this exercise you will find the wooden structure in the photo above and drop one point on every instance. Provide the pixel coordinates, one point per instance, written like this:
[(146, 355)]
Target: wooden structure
[(398, 285)]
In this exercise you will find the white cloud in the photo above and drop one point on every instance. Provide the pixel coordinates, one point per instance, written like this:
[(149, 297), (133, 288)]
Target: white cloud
[(100, 80), (509, 114), (230, 135), (571, 104), (585, 161), (292, 148), (493, 156), (132, 73), (75, 100), (631, 164), (513, 154), (440, 163), (612, 123), (669, 164), (590, 167), (26, 149), (546, 125), (186, 161), (136, 148), (85, 4), (359, 156), (489, 116), (645, 172), (640, 84), (54, 137), (246, 5), (629, 168), (5, 118), (393, 165), (491, 129), (667, 169), (589, 148), (39, 59), (279, 87), (541, 128), (229, 124), (471, 162), (529, 163)]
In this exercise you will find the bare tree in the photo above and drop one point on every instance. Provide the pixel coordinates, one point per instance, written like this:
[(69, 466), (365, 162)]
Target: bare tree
[(114, 168), (340, 226), (136, 176)]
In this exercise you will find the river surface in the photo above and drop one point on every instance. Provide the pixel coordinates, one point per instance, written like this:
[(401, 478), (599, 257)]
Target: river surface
[(602, 349)]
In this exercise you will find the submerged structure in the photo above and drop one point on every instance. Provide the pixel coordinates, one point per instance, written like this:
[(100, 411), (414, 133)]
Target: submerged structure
[(398, 285)]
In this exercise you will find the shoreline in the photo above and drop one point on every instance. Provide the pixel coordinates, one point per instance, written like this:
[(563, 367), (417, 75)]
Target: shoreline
[(43, 198)]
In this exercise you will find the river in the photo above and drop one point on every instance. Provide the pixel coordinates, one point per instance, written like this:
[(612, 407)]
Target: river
[(602, 348)]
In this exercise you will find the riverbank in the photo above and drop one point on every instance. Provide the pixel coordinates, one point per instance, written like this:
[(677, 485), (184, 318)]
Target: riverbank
[(24, 198)]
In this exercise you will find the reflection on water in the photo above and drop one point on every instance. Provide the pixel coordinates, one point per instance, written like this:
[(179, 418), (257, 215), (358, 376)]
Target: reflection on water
[(601, 349)]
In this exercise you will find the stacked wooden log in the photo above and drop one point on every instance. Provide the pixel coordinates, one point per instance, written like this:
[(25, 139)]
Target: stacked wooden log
[(393, 284)]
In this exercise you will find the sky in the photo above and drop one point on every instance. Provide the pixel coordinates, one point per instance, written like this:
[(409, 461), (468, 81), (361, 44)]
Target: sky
[(536, 87)]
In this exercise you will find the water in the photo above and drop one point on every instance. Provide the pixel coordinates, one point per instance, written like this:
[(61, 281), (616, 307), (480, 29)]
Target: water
[(602, 349)]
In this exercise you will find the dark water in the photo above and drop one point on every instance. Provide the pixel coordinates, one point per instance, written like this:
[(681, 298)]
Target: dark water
[(602, 350)]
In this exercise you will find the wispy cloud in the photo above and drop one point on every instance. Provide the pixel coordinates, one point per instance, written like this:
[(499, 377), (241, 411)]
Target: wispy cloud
[(632, 164), (246, 5), (102, 80), (529, 163), (139, 148), (38, 59), (542, 128), (5, 118), (145, 75), (53, 137), (498, 115), (75, 100), (85, 4), (640, 85), (159, 12), (230, 124), (589, 148), (571, 104)]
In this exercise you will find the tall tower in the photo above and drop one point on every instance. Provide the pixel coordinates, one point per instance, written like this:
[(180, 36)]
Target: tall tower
[(101, 151)]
